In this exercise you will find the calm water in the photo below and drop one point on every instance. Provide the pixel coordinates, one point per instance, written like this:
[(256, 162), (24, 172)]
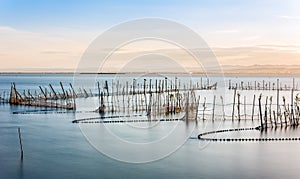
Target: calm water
[(54, 147)]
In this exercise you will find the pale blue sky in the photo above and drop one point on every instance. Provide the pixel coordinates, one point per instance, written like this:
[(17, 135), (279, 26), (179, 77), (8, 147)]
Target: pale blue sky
[(36, 15), (75, 23)]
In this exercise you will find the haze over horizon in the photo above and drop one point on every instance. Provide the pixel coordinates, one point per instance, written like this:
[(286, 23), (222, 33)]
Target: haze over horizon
[(51, 36)]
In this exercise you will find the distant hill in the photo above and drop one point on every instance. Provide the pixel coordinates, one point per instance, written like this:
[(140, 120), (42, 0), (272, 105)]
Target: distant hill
[(263, 69)]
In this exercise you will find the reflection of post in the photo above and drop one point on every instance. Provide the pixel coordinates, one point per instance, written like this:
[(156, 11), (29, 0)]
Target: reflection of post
[(21, 146)]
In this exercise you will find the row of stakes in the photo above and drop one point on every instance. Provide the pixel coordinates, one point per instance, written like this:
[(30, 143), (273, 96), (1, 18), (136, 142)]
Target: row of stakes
[(200, 136)]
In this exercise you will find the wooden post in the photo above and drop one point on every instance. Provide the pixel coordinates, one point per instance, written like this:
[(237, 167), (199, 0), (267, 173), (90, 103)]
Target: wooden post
[(112, 96), (245, 107), (222, 101), (213, 112), (234, 94), (21, 146), (253, 106), (123, 99), (149, 106), (107, 95), (53, 91), (197, 108), (117, 96), (44, 94), (187, 107), (63, 90), (207, 82), (99, 95), (74, 90), (274, 115), (204, 107), (292, 103), (100, 98), (266, 112), (167, 96), (201, 83), (270, 111), (280, 116), (133, 92), (260, 112), (238, 107), (127, 88), (277, 110), (285, 112), (101, 106), (150, 86), (74, 100), (145, 95)]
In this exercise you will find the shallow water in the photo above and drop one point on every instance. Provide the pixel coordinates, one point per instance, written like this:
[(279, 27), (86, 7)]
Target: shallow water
[(55, 147)]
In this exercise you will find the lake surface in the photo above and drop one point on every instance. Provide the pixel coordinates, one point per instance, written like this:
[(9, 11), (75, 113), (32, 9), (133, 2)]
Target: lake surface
[(54, 147)]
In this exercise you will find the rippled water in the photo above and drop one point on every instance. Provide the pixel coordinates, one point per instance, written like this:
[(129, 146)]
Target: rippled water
[(54, 147)]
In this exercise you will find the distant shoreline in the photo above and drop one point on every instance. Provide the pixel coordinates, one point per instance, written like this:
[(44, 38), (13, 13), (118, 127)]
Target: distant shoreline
[(133, 73)]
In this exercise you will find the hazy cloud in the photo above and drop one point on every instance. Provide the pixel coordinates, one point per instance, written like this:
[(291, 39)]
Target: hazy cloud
[(290, 17)]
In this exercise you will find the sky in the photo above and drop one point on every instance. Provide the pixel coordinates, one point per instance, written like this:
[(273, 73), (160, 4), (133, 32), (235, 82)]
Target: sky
[(52, 35)]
